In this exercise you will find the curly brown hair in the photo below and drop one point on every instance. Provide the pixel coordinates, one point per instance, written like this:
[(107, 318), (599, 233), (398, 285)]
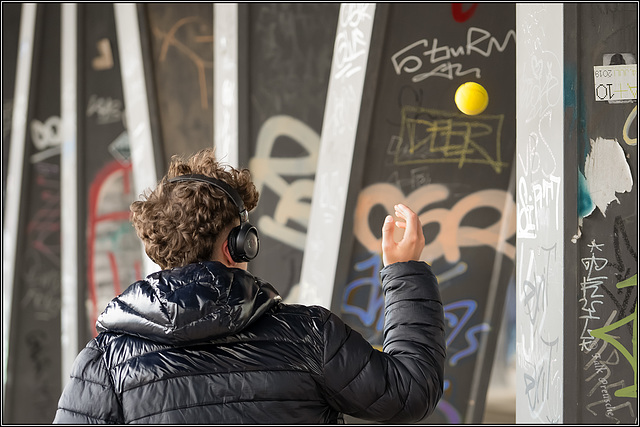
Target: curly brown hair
[(182, 222)]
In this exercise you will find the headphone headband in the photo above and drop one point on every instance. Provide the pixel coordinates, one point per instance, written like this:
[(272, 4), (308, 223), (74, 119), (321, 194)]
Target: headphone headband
[(230, 191)]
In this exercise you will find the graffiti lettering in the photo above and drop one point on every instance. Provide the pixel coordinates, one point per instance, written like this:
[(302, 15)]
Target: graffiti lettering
[(46, 137), (534, 284), (431, 136), (534, 208), (457, 324), (350, 43), (593, 283), (373, 311), (537, 386), (294, 205), (479, 41), (114, 253), (620, 241), (170, 39), (107, 110), (42, 254), (371, 284), (451, 234), (603, 333)]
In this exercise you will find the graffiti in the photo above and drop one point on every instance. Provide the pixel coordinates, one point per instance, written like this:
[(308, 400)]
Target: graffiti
[(104, 60), (371, 314), (373, 310), (479, 42), (539, 186), (430, 136), (46, 137), (449, 411), (613, 342), (294, 204), (535, 285), (541, 89), (602, 377), (620, 238), (42, 278), (460, 15), (189, 25), (539, 157), (451, 235), (417, 178), (344, 102), (535, 208), (633, 115), (363, 296), (107, 110), (113, 249), (603, 333), (350, 40), (540, 222), (458, 324), (540, 380), (606, 401), (591, 282), (38, 273), (42, 295)]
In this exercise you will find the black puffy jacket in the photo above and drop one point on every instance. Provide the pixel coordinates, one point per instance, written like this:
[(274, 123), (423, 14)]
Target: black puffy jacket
[(209, 344)]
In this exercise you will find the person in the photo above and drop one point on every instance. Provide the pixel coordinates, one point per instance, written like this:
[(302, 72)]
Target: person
[(205, 341)]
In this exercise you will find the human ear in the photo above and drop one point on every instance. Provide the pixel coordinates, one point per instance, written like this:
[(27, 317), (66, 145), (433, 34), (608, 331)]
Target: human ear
[(226, 255)]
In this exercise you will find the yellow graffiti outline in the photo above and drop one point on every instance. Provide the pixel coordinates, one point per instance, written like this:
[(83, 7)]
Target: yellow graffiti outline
[(449, 125), (627, 125)]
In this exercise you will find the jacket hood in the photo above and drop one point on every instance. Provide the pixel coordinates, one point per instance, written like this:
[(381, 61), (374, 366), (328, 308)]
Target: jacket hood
[(195, 302)]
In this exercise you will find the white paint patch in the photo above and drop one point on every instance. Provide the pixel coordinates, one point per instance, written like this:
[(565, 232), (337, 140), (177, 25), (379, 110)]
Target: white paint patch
[(607, 172)]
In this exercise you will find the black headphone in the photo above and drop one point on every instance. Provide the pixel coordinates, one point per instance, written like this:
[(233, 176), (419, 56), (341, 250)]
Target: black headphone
[(243, 239)]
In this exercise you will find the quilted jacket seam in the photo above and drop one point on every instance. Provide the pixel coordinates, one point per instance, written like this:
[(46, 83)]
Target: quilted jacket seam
[(177, 408), (112, 383), (108, 421), (354, 377), (201, 374)]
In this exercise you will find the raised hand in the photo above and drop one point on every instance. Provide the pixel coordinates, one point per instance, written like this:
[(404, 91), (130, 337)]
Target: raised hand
[(412, 243)]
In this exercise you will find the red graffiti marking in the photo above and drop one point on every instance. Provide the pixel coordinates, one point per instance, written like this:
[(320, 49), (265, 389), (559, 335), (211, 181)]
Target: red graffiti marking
[(94, 219), (114, 271), (461, 16)]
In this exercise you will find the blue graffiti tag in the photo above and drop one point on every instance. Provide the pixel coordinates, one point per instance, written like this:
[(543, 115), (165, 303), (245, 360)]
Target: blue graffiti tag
[(459, 323), (375, 304), (372, 312)]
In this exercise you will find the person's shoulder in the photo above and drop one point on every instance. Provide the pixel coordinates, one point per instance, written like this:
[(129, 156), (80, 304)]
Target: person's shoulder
[(116, 348), (301, 310)]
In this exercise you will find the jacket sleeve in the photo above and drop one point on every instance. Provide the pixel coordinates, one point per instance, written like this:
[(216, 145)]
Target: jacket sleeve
[(89, 396), (404, 382)]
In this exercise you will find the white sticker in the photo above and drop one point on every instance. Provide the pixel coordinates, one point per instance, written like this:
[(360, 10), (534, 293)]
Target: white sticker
[(615, 82)]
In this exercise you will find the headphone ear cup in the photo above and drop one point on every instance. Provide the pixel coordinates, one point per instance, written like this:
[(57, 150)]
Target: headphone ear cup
[(244, 242), (233, 244)]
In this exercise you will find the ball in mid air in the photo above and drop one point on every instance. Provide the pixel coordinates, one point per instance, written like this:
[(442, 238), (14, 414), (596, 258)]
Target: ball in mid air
[(471, 98)]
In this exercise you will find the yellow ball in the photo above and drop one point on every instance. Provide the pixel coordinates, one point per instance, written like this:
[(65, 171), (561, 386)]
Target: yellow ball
[(471, 98)]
